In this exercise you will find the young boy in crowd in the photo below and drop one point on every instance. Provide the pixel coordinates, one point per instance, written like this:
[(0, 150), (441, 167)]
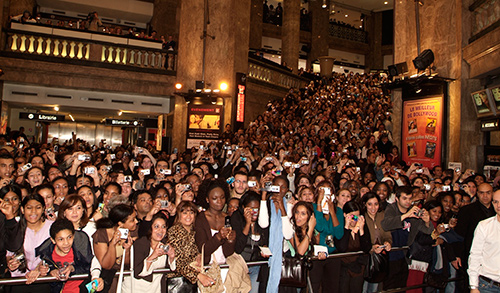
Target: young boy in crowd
[(67, 252)]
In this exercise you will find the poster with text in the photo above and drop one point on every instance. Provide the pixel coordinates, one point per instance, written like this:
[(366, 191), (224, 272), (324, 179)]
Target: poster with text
[(203, 124), (422, 131)]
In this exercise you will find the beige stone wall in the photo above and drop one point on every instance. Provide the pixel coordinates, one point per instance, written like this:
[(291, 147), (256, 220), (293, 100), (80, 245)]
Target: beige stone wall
[(85, 77), (440, 31)]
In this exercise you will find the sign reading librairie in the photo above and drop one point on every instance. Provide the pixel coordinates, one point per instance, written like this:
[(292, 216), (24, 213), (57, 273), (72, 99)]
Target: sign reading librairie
[(422, 131), (41, 117)]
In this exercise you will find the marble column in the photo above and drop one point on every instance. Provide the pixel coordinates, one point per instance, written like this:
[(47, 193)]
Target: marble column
[(373, 25), (397, 115), (319, 31), (226, 52), (290, 34), (164, 19), (19, 6), (256, 24)]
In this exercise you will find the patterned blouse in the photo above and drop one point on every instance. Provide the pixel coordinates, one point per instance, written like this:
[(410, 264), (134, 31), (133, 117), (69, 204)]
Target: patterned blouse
[(186, 252)]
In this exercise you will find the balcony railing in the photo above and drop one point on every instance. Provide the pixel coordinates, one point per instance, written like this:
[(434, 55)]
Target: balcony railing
[(61, 45), (267, 71), (347, 33)]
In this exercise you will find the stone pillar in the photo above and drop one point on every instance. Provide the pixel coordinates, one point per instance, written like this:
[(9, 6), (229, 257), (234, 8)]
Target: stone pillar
[(164, 19), (225, 55), (290, 34), (319, 31), (256, 24), (19, 6), (443, 35), (373, 25), (397, 115)]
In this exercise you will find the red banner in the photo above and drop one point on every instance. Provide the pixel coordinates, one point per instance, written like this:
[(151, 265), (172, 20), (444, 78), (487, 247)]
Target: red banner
[(422, 131), (240, 104)]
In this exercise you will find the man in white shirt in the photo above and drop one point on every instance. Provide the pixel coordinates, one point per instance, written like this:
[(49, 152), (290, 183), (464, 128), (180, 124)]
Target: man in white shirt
[(484, 259)]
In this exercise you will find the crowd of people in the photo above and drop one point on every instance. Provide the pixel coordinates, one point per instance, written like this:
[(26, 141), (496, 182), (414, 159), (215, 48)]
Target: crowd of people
[(344, 24), (271, 14), (315, 175)]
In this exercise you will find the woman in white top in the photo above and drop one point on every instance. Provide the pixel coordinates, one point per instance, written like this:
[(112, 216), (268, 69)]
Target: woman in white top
[(150, 253)]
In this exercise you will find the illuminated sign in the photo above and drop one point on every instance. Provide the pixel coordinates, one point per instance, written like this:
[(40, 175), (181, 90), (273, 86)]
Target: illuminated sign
[(239, 99), (41, 117), (489, 125), (240, 104), (125, 123), (203, 124), (422, 131)]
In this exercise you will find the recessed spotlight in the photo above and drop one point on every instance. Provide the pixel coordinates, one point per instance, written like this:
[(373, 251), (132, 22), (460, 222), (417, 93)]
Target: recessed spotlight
[(386, 2), (346, 15), (71, 116), (120, 113), (56, 108)]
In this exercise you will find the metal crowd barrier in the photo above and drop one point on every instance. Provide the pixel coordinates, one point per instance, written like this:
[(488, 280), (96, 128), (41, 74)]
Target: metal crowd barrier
[(22, 281)]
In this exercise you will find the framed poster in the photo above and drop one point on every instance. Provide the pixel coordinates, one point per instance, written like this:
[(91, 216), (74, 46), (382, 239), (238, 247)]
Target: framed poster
[(203, 124), (495, 98), (422, 131), (482, 103)]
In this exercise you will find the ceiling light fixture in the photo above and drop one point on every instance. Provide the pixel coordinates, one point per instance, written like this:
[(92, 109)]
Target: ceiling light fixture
[(324, 4), (56, 108), (71, 116), (120, 113), (223, 86)]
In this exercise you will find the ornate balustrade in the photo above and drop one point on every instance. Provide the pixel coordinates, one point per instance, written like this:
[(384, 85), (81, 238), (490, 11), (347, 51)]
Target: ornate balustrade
[(262, 71), (129, 54), (348, 33)]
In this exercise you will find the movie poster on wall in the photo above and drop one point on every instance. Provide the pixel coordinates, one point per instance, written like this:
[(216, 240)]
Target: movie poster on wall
[(422, 131), (495, 92), (203, 124), (482, 103)]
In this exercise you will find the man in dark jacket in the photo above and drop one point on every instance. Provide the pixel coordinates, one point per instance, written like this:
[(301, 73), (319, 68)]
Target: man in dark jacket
[(404, 221)]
